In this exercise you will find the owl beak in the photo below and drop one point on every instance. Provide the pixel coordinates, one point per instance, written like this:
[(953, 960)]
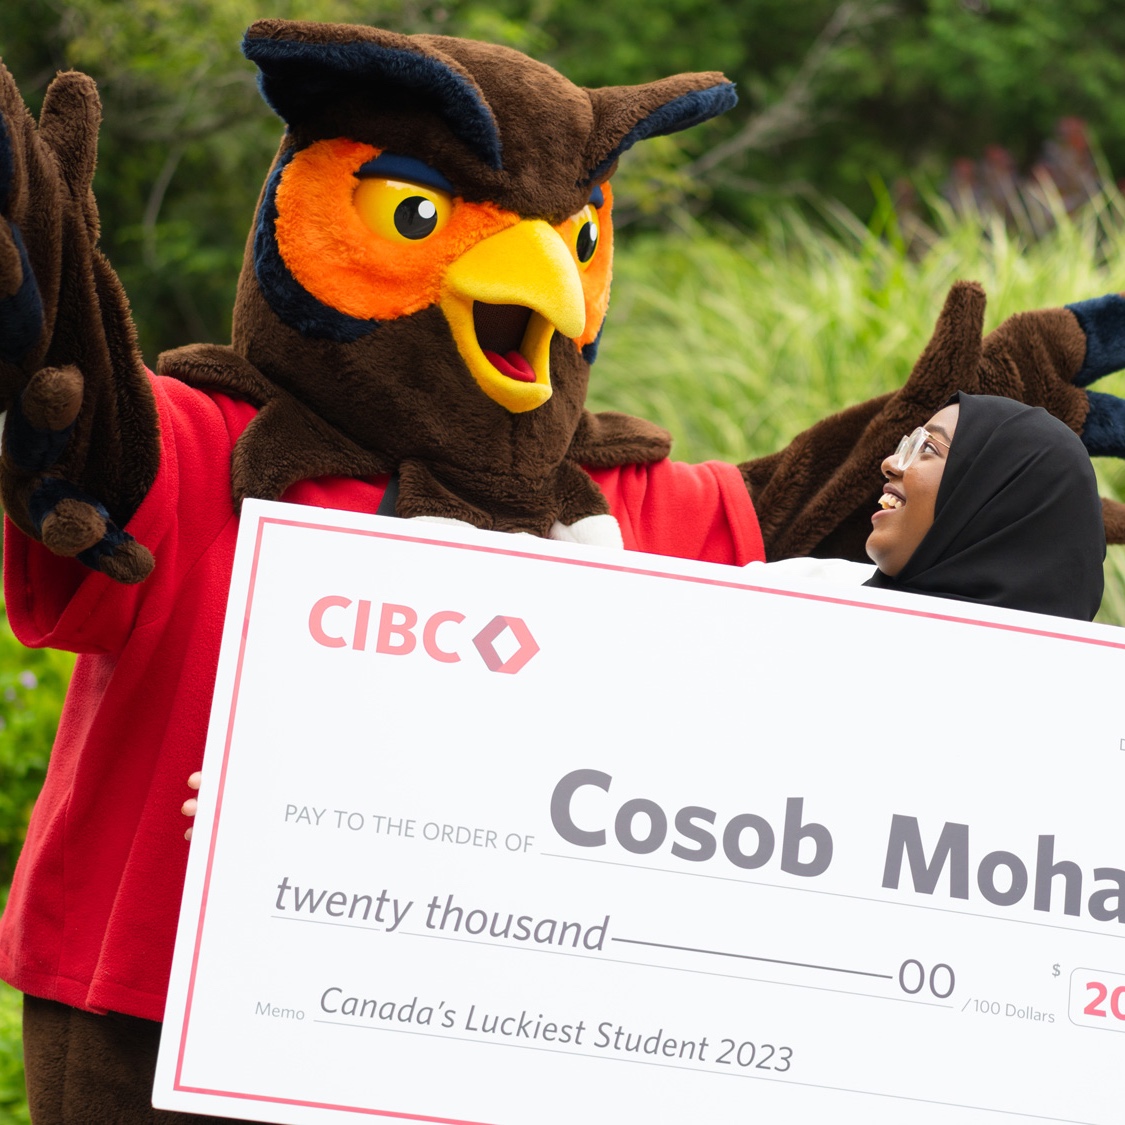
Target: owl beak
[(504, 299)]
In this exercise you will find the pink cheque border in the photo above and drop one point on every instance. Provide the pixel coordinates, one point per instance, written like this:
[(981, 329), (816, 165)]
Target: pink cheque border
[(263, 521)]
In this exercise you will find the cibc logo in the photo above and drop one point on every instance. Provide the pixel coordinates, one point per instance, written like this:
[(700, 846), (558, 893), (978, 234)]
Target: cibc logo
[(339, 622)]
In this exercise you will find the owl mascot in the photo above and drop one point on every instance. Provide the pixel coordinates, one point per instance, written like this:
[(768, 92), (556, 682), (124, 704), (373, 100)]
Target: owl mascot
[(422, 297)]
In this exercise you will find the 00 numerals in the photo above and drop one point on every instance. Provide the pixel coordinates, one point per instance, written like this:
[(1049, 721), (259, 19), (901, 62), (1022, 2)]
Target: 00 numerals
[(763, 1056)]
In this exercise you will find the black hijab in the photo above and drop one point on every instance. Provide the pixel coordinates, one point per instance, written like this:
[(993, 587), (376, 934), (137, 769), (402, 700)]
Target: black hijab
[(1017, 520)]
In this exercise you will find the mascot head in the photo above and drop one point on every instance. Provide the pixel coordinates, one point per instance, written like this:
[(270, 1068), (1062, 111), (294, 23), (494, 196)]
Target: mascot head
[(430, 264)]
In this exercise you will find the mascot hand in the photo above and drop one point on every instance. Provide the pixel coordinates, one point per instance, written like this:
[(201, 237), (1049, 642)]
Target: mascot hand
[(1045, 358), (1103, 322), (81, 444), (815, 497), (67, 520), (1049, 358)]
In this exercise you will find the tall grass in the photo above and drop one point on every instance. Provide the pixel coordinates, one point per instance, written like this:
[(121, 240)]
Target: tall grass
[(737, 342)]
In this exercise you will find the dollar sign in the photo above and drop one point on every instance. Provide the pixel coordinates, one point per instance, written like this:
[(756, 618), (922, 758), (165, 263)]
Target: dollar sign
[(1056, 972)]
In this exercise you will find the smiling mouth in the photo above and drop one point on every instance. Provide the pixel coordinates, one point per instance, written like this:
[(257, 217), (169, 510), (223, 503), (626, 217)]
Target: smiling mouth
[(889, 502)]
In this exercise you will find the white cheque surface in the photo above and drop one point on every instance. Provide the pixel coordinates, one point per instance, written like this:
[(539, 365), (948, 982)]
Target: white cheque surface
[(506, 832)]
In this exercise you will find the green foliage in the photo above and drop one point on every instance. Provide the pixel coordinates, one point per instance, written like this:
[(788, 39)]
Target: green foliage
[(891, 89), (757, 336), (186, 139), (908, 87), (13, 1099), (32, 685)]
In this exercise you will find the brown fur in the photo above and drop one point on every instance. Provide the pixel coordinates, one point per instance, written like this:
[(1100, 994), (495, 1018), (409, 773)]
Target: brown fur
[(114, 452), (287, 443), (607, 439), (402, 393), (94, 1070), (1113, 513), (816, 496), (72, 527), (53, 398), (553, 133)]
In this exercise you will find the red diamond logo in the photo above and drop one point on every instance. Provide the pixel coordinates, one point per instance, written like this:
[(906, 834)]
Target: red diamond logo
[(484, 641)]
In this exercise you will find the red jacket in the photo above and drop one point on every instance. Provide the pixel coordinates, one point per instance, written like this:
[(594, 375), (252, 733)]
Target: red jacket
[(96, 895)]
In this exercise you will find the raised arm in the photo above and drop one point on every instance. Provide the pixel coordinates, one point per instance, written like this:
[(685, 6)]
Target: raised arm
[(816, 496), (81, 441)]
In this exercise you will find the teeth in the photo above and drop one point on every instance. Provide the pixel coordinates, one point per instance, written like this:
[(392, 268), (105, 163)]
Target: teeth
[(889, 500)]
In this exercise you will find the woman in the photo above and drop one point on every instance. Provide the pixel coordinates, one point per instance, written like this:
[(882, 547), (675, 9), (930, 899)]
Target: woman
[(1006, 514), (992, 502)]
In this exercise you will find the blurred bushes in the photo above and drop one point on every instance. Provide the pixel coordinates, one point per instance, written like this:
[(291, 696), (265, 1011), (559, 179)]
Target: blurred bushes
[(32, 685), (835, 94), (13, 1101)]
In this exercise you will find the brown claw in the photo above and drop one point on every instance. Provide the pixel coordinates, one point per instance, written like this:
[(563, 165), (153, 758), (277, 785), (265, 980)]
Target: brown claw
[(53, 398), (71, 528), (129, 564)]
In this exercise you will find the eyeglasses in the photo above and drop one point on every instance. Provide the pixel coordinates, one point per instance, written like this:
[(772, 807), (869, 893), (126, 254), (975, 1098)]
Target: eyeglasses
[(910, 446)]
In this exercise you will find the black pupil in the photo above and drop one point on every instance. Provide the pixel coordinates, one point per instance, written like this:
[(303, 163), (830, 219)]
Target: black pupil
[(587, 242), (415, 217)]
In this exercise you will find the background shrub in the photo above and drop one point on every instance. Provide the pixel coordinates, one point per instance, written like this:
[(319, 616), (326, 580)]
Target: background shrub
[(32, 686)]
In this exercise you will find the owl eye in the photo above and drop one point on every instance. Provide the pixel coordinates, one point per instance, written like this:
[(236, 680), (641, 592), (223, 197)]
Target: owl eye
[(401, 211), (586, 236), (416, 217)]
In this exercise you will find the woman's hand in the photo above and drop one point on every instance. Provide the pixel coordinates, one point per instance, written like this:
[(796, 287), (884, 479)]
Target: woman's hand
[(191, 804)]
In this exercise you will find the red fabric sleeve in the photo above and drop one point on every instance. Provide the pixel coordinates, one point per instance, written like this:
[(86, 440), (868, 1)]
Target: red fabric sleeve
[(688, 511), (62, 604), (92, 909)]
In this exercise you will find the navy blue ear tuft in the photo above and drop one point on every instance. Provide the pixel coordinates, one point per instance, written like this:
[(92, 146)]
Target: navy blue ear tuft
[(297, 79), (291, 301), (680, 113)]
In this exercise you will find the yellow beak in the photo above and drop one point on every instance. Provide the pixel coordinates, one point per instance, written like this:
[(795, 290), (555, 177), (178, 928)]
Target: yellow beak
[(528, 269)]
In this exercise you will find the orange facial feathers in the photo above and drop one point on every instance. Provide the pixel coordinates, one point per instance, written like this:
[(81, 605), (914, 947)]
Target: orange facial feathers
[(341, 261), (597, 274)]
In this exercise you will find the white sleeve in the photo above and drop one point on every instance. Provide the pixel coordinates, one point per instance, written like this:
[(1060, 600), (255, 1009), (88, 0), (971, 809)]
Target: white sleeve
[(842, 572)]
